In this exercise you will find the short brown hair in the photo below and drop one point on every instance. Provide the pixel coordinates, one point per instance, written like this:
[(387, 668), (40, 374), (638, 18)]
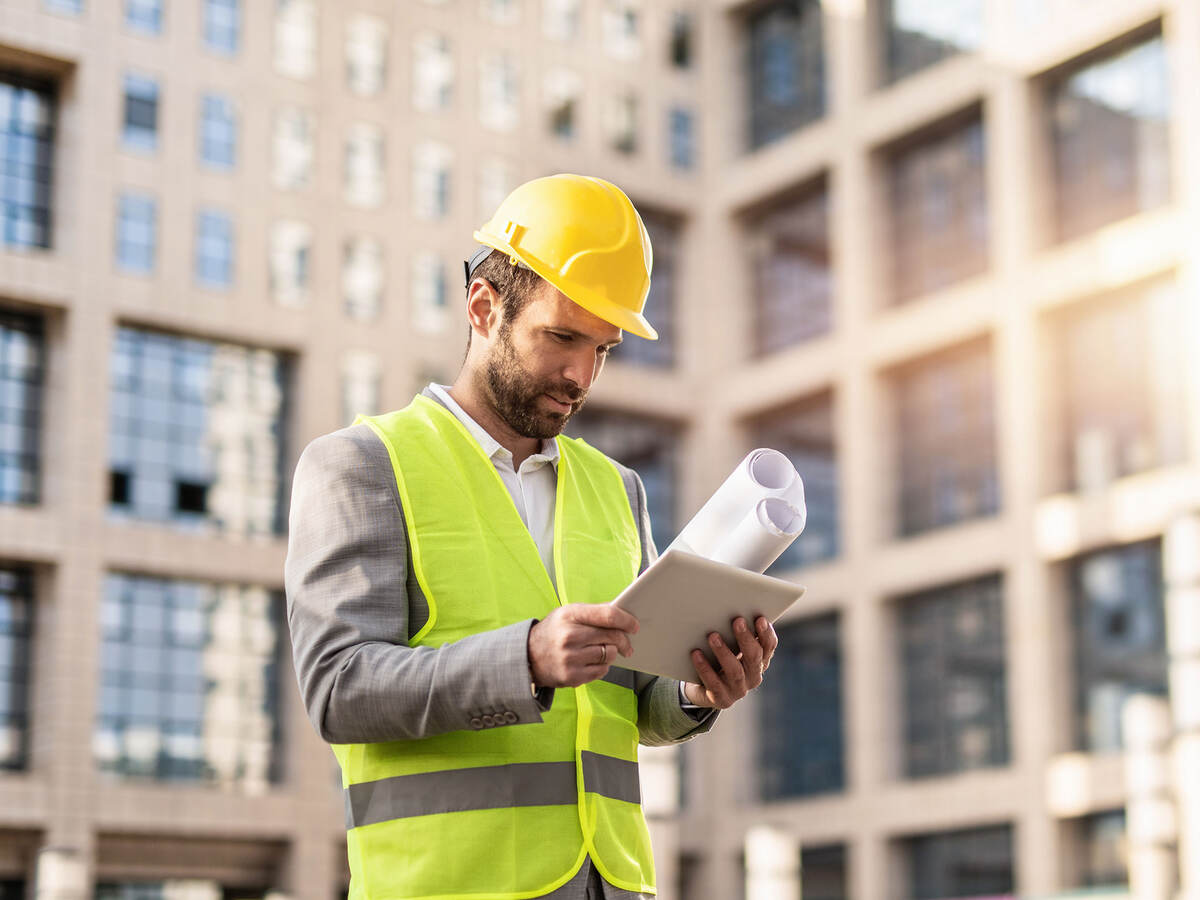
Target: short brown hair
[(515, 284)]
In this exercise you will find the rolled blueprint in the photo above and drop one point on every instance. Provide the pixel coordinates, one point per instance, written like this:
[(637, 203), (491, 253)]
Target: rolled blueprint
[(751, 518)]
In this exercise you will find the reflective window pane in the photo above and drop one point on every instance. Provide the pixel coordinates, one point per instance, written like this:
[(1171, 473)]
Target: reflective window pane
[(431, 309), (364, 177), (621, 122), (222, 25), (433, 72), (824, 872), (366, 55), (144, 15), (791, 271), (918, 33), (804, 433), (499, 92), (682, 142), (619, 28), (1108, 127), (362, 376), (431, 179), (952, 660), (663, 299), (16, 630), (218, 132), (1101, 850), (140, 125), (214, 249), (22, 375), (1118, 360), (137, 232), (944, 430), (296, 38), (196, 433), (190, 687), (362, 278), (785, 60), (973, 862), (938, 205), (801, 739), (292, 148), (289, 262), (563, 90), (27, 114), (1119, 636), (648, 446), (561, 19)]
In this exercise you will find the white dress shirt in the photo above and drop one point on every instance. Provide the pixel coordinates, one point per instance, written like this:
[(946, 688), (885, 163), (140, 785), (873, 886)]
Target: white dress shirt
[(532, 487)]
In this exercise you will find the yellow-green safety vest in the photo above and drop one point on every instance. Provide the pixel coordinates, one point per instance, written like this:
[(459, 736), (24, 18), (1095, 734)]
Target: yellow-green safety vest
[(512, 811)]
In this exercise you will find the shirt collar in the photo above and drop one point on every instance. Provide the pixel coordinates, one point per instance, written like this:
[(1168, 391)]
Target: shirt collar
[(491, 447)]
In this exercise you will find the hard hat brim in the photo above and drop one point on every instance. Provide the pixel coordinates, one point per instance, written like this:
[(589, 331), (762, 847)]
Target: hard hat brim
[(625, 319)]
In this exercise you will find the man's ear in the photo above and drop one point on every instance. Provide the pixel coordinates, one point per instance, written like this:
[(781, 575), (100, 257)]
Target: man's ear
[(483, 307)]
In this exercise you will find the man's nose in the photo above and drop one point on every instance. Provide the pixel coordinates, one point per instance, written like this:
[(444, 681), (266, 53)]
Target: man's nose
[(581, 371)]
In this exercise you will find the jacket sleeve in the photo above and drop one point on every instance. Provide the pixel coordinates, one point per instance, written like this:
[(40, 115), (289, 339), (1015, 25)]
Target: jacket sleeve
[(349, 613), (661, 717)]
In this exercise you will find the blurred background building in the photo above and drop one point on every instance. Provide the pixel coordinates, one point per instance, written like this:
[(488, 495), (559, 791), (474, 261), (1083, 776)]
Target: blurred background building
[(945, 254)]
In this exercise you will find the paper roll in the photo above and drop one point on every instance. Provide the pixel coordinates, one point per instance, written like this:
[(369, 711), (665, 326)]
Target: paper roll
[(751, 518)]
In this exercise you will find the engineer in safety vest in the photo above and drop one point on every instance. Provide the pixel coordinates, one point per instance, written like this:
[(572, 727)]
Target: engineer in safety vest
[(448, 575)]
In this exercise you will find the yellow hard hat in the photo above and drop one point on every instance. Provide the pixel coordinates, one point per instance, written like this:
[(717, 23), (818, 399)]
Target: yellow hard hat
[(582, 235)]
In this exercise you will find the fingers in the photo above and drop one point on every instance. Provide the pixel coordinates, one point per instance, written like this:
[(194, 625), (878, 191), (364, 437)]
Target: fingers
[(603, 615), (752, 653), (768, 639), (714, 688)]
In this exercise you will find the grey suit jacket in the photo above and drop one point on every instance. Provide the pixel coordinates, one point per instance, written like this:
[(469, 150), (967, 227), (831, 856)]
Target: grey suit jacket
[(354, 602)]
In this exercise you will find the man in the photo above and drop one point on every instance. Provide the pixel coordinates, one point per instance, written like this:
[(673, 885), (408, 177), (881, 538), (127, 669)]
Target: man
[(448, 572)]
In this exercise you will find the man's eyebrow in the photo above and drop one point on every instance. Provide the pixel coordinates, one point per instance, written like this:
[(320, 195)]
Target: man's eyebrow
[(580, 334)]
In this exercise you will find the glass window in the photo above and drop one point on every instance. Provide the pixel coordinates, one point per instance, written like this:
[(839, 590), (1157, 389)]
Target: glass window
[(218, 132), (804, 433), (682, 140), (952, 664), (296, 38), (791, 271), (823, 870), (662, 301), (222, 25), (364, 174), (682, 42), (945, 434), (214, 248), (431, 307), (1119, 635), (561, 19), (366, 55), (785, 60), (918, 34), (362, 278), (144, 15), (619, 27), (12, 889), (140, 129), (973, 862), (189, 682), (621, 122), (431, 180), (292, 146), (937, 196), (290, 262), (648, 446), (67, 7), (563, 91), (1118, 361), (501, 12), (137, 232), (499, 92), (800, 713), (1102, 852), (16, 630), (362, 374), (22, 375), (26, 160), (497, 178), (196, 433), (1111, 146), (433, 72)]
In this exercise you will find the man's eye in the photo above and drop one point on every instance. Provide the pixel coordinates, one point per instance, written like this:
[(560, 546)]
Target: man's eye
[(558, 336)]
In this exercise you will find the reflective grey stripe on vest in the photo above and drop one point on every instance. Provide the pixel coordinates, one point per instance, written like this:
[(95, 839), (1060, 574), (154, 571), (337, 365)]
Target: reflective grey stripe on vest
[(621, 677), (488, 787)]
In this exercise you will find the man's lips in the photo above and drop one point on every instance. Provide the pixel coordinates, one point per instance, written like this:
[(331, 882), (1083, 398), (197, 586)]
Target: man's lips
[(561, 405)]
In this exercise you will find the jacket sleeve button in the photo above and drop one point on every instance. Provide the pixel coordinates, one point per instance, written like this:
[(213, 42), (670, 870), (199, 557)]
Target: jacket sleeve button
[(488, 721), (476, 722), (510, 717)]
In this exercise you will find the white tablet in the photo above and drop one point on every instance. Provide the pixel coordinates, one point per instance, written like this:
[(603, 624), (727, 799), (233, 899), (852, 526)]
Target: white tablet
[(682, 598)]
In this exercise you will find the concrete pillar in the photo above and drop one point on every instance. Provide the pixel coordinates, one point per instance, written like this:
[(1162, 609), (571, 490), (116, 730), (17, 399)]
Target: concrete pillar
[(1150, 809), (772, 864), (1181, 572), (659, 771), (61, 875)]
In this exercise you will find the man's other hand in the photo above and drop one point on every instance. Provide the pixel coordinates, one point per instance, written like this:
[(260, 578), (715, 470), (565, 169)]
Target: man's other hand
[(740, 672), (577, 643)]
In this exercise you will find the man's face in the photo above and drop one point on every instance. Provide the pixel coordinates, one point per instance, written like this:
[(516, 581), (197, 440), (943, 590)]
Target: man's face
[(541, 365)]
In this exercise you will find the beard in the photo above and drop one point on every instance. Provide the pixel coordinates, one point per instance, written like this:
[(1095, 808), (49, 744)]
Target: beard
[(517, 394)]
